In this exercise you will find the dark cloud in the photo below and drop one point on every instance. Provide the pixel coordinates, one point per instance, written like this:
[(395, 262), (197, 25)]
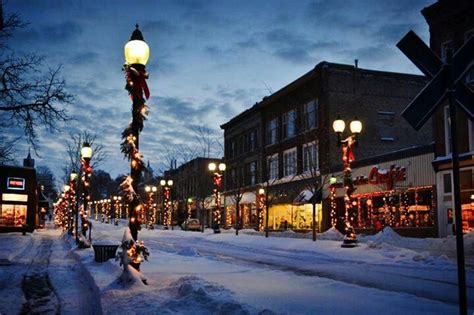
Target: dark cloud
[(370, 53), (55, 33), (213, 51), (294, 55), (248, 43), (159, 27), (232, 93), (84, 58)]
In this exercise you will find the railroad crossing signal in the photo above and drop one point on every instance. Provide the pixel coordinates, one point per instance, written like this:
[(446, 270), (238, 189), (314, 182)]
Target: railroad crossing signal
[(444, 77), (447, 83)]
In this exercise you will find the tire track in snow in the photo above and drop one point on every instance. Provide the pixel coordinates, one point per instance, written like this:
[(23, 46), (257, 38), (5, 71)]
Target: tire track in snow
[(39, 293)]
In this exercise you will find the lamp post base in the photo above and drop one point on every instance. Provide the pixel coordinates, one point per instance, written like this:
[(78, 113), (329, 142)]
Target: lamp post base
[(349, 242), (217, 230)]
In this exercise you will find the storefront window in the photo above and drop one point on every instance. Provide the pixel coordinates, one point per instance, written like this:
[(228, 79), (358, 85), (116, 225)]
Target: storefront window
[(13, 215), (467, 201), (295, 217), (410, 208)]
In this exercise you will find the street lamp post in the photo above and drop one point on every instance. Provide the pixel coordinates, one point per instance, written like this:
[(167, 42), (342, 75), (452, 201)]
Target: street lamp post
[(86, 155), (74, 200), (217, 172), (68, 197), (347, 150), (261, 210), (151, 190), (167, 203), (137, 53)]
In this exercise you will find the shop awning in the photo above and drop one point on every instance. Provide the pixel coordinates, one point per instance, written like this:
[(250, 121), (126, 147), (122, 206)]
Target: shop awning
[(303, 197), (306, 196), (247, 197)]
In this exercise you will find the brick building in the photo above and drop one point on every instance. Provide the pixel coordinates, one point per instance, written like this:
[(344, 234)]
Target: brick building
[(192, 188), (286, 141), (451, 23)]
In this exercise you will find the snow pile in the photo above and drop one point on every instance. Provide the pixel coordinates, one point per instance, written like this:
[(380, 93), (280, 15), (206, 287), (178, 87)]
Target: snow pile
[(387, 235), (188, 251), (192, 295), (332, 234), (12, 245)]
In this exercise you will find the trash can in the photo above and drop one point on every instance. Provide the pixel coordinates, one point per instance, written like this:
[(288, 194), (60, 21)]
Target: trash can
[(104, 252)]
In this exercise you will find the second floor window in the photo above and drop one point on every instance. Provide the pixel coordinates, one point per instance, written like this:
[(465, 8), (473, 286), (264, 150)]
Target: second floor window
[(447, 130), (250, 141), (289, 124), (289, 162), (272, 166), (310, 157), (251, 173), (386, 124), (272, 127), (309, 115)]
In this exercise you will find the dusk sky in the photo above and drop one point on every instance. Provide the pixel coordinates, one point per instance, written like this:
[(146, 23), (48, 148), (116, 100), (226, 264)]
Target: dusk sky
[(209, 60)]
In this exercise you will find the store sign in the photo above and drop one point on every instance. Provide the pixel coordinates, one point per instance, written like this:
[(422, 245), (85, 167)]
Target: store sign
[(15, 183), (15, 197), (388, 177)]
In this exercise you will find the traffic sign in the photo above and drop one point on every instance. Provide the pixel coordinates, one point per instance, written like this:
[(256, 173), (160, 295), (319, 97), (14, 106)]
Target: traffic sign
[(447, 83), (444, 77)]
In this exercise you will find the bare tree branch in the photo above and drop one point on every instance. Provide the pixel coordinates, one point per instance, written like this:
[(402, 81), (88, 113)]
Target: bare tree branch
[(73, 151), (30, 94), (7, 150)]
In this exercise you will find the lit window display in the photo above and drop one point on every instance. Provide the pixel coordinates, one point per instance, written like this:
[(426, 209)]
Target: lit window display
[(467, 200), (410, 208), (13, 215), (295, 217)]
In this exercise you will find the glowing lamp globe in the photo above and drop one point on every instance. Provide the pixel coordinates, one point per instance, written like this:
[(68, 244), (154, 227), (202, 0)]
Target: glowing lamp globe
[(162, 182), (356, 126), (153, 188), (170, 182), (332, 180), (73, 176), (261, 191), (222, 167), (86, 151), (147, 188), (136, 50), (338, 125), (212, 166)]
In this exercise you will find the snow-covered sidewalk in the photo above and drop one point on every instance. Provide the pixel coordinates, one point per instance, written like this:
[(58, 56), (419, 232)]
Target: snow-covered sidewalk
[(40, 274)]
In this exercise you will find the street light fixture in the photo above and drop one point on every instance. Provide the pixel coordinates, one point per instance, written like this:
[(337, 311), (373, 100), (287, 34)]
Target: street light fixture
[(167, 203), (151, 190), (261, 210), (136, 53), (217, 180), (347, 146), (86, 155)]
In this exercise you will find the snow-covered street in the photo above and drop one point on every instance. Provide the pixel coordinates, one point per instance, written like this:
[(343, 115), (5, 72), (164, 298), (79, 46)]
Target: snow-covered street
[(203, 273)]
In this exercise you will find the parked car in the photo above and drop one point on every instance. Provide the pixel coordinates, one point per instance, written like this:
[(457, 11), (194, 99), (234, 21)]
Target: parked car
[(191, 225)]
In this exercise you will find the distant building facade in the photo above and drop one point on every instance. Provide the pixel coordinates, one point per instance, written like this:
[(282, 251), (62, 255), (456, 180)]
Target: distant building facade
[(286, 141), (451, 22), (192, 189)]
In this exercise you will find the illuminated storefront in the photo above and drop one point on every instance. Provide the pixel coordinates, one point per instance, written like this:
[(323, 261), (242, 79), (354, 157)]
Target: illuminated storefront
[(399, 193), (248, 210), (282, 214), (295, 217), (446, 204), (18, 201)]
